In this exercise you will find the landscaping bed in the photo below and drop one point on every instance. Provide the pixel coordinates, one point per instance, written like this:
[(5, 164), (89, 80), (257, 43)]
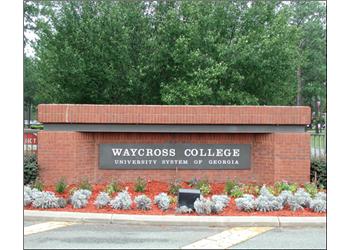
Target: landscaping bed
[(153, 188)]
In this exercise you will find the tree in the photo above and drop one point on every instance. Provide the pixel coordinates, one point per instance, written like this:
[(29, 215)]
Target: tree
[(310, 19), (171, 52)]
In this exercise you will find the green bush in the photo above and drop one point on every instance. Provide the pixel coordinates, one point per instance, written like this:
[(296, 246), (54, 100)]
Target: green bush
[(311, 188), (175, 186), (85, 184), (251, 189), (38, 184), (30, 168), (61, 186), (113, 187), (319, 171), (230, 185), (236, 192), (204, 186), (140, 185)]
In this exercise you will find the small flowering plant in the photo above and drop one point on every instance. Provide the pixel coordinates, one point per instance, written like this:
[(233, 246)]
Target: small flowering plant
[(194, 181)]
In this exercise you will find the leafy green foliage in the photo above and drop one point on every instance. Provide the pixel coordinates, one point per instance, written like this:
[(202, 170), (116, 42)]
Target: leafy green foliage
[(38, 184), (309, 20), (177, 52), (61, 186), (173, 199), (236, 192), (204, 186), (319, 171), (112, 188), (175, 186), (30, 168), (251, 189), (85, 184), (283, 186), (233, 188), (72, 190), (311, 188), (140, 185)]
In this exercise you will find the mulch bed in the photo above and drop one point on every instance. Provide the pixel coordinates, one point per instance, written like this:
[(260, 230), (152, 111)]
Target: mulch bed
[(153, 189)]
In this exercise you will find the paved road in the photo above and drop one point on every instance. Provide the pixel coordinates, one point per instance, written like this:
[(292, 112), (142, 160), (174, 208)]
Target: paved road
[(51, 235)]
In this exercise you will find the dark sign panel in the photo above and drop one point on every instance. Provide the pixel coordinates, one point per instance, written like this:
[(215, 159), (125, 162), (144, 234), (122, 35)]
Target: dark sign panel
[(171, 156)]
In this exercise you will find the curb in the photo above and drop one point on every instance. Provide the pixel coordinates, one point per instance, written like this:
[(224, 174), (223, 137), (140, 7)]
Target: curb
[(172, 220)]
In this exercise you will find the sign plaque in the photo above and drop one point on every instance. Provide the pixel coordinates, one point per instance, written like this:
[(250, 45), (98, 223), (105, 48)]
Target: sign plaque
[(177, 155)]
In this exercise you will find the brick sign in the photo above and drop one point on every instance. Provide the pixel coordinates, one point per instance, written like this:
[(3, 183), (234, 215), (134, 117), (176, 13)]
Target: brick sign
[(171, 156)]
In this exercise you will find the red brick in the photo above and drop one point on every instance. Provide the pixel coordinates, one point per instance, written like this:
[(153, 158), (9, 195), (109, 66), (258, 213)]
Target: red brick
[(159, 114)]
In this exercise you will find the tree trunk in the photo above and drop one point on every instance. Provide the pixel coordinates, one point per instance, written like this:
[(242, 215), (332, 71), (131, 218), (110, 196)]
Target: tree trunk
[(299, 87), (29, 113)]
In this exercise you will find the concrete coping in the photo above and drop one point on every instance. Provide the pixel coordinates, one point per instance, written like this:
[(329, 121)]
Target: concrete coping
[(178, 220)]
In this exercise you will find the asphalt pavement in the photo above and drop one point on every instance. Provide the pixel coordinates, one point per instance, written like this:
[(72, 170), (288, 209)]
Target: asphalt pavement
[(54, 235)]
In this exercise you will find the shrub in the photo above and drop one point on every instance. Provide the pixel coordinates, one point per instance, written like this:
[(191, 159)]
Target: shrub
[(62, 203), (85, 184), (230, 185), (319, 171), (284, 186), (318, 205), (30, 168), (251, 189), (219, 202), (27, 198), (264, 191), (246, 203), (173, 199), (204, 186), (122, 201), (163, 201), (45, 200), (140, 185), (184, 210), (236, 192), (38, 184), (217, 207), (303, 198), (293, 203), (35, 193), (80, 198), (102, 200), (221, 198), (143, 202), (267, 202), (293, 187), (72, 190), (284, 195), (61, 186), (311, 188), (203, 205), (112, 188), (321, 195), (175, 186)]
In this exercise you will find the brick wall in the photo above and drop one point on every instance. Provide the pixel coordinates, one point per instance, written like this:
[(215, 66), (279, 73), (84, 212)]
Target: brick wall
[(275, 156), (180, 114), (75, 155)]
